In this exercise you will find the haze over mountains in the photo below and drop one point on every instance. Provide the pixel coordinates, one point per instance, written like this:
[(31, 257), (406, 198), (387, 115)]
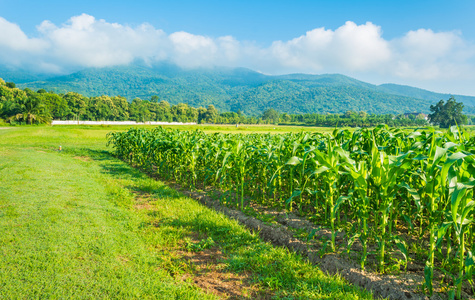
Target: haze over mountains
[(233, 89)]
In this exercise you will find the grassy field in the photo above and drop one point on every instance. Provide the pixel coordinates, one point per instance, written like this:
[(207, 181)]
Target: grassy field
[(79, 223), (212, 128), (253, 128)]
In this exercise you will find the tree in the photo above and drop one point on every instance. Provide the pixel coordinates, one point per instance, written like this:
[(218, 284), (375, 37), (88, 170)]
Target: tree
[(271, 116), (362, 115), (154, 99), (31, 110), (102, 108), (447, 114), (211, 114), (78, 105), (163, 111), (285, 117), (139, 111), (201, 114), (56, 105), (122, 108)]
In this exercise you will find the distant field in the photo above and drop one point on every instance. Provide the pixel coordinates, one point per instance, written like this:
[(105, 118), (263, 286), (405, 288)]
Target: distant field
[(209, 128), (252, 128), (242, 128)]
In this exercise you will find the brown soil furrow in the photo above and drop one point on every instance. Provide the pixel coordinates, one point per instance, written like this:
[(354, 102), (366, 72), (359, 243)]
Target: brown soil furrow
[(402, 286)]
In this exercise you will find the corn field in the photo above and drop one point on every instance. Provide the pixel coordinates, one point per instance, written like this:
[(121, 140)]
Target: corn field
[(390, 189)]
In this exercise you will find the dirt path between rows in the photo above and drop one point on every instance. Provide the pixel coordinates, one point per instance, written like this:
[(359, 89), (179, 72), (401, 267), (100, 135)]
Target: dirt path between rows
[(205, 267), (397, 287)]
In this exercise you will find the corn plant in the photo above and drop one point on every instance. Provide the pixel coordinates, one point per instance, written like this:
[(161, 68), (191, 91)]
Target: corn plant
[(381, 178)]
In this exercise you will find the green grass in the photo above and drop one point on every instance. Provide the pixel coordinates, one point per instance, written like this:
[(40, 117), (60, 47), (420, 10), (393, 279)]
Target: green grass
[(63, 234), (70, 227), (243, 128)]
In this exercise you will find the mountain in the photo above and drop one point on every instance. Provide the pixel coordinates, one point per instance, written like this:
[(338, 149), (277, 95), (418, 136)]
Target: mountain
[(233, 89), (410, 91), (21, 76)]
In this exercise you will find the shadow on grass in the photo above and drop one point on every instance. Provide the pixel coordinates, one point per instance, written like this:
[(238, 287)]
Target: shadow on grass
[(113, 166)]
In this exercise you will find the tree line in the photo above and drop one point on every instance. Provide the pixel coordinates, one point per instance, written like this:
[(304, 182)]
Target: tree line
[(30, 107), (25, 106)]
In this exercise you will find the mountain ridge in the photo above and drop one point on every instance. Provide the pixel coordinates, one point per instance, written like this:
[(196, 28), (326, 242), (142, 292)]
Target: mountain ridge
[(245, 90)]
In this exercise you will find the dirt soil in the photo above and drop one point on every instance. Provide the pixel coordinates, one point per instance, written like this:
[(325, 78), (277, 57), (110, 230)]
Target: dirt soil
[(407, 285), (207, 269), (210, 275)]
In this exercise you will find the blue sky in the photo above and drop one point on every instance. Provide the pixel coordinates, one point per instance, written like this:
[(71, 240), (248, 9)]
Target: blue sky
[(428, 44)]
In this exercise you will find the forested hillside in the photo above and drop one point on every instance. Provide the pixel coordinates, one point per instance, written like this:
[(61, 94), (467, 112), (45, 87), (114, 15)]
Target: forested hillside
[(25, 106), (21, 76), (245, 90), (293, 97), (409, 91)]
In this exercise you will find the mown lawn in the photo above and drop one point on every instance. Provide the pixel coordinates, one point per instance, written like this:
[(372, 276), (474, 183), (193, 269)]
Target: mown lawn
[(79, 223)]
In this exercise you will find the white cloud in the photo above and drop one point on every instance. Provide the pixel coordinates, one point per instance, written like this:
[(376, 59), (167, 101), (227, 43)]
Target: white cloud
[(191, 50), (13, 38), (87, 42), (424, 54), (84, 41), (15, 47), (350, 47)]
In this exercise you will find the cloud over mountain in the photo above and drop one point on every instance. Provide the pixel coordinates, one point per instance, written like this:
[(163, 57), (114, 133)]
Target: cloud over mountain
[(350, 47), (84, 41)]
